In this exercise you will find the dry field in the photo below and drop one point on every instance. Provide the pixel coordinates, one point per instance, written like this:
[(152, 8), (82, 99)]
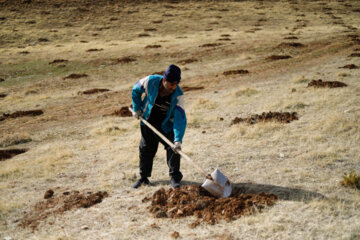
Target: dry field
[(239, 59)]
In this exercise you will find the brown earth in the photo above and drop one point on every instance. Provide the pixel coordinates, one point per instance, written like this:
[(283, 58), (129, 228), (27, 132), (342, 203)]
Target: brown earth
[(350, 66), (125, 60), (54, 205), (282, 117), (210, 45), (187, 89), (94, 50), (9, 153), (234, 72), (75, 76), (21, 114), (94, 90), (292, 44), (195, 201), (122, 112), (278, 57), (153, 46), (330, 84), (2, 95), (58, 61)]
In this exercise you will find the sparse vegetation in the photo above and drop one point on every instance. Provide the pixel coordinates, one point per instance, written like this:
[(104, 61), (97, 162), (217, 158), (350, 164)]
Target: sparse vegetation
[(351, 180)]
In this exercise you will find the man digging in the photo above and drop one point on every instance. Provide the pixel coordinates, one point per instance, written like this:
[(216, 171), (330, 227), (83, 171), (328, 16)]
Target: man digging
[(162, 107)]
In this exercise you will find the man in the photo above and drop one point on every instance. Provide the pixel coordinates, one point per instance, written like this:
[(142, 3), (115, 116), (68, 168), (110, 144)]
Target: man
[(162, 107)]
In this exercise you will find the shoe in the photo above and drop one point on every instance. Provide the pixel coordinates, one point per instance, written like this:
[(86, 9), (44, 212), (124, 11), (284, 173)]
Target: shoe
[(140, 182), (175, 184)]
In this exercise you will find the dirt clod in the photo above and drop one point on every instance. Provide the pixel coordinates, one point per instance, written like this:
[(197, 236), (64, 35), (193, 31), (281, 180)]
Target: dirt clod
[(278, 57), (350, 66), (153, 46), (48, 194), (292, 44), (94, 49), (234, 72), (175, 235), (94, 90), (75, 76), (282, 117), (9, 153), (60, 204), (195, 201), (58, 61), (330, 84), (122, 112), (354, 55), (17, 114)]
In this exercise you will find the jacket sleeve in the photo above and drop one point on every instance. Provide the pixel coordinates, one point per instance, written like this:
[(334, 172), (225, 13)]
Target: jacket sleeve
[(179, 120), (138, 89)]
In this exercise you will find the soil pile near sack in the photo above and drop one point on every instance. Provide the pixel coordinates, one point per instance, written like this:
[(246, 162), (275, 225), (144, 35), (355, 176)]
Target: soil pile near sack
[(195, 201)]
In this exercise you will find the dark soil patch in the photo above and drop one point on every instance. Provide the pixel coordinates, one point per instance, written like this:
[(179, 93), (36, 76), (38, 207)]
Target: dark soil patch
[(224, 39), (282, 117), (350, 66), (59, 204), (150, 29), (186, 89), (75, 76), (211, 45), (278, 57), (17, 114), (186, 61), (24, 52), (153, 46), (9, 153), (125, 60), (94, 90), (157, 21), (330, 84), (225, 35), (43, 40), (58, 61), (292, 45), (354, 55), (2, 95), (2, 80), (94, 49), (48, 194), (144, 35), (193, 200), (235, 72), (122, 112)]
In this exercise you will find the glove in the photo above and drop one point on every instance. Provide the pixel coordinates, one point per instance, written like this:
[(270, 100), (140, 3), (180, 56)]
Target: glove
[(137, 114), (177, 147)]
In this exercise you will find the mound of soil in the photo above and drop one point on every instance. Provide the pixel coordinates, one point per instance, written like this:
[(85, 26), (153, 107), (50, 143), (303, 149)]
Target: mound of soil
[(278, 57), (94, 49), (186, 89), (58, 61), (354, 55), (75, 76), (292, 44), (234, 72), (330, 84), (54, 205), (9, 153), (125, 60), (21, 114), (282, 117), (122, 112), (2, 80), (153, 46), (350, 66), (195, 201), (210, 45), (2, 95), (94, 90), (291, 38)]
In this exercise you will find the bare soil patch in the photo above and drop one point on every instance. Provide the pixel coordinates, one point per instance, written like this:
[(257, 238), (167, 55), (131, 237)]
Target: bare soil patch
[(55, 205), (291, 38), (153, 46), (58, 61), (330, 84), (211, 45), (350, 66), (193, 200), (282, 117), (235, 72), (93, 91), (278, 57), (94, 49), (9, 153), (21, 114), (187, 89), (2, 95), (75, 76), (2, 80), (354, 55), (122, 112), (290, 45)]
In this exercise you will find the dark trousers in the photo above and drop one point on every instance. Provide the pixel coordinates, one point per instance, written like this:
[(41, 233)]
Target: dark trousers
[(148, 147)]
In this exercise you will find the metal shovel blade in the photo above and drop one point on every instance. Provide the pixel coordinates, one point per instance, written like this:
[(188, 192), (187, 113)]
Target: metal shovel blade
[(220, 187)]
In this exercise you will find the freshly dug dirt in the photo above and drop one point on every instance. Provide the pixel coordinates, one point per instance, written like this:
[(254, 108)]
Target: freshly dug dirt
[(122, 112), (58, 61), (54, 205), (354, 55), (282, 117), (94, 90), (75, 76), (278, 57), (2, 80), (330, 84), (21, 114), (234, 72), (350, 66), (195, 201), (94, 49), (153, 46), (186, 88), (290, 45), (9, 153), (2, 95), (211, 45)]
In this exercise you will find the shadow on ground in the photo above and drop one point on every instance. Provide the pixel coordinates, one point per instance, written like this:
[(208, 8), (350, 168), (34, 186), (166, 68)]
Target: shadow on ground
[(284, 193)]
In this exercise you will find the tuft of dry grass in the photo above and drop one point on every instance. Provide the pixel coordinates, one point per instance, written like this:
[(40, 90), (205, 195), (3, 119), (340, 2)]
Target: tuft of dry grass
[(351, 180)]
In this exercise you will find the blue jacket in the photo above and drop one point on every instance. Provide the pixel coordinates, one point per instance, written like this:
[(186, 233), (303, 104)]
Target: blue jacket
[(175, 118)]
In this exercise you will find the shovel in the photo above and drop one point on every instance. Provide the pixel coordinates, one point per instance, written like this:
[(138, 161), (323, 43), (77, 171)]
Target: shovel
[(216, 183)]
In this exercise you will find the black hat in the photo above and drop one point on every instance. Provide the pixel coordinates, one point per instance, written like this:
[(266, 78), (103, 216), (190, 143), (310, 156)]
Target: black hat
[(173, 74)]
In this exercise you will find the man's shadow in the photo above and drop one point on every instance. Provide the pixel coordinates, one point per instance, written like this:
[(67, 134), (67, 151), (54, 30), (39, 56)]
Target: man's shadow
[(283, 193)]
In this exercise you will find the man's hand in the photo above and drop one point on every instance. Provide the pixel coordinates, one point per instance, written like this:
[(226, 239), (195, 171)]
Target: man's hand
[(137, 114), (177, 146)]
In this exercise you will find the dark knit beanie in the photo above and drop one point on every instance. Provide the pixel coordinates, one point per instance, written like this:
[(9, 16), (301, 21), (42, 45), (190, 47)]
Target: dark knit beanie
[(173, 74)]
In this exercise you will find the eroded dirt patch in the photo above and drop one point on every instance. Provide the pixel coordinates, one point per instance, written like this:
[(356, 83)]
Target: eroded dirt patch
[(58, 204), (350, 66), (278, 57), (290, 45), (58, 61), (193, 200), (9, 153), (2, 95), (93, 91), (31, 113), (329, 84), (186, 88), (282, 117), (235, 72), (122, 112), (76, 76)]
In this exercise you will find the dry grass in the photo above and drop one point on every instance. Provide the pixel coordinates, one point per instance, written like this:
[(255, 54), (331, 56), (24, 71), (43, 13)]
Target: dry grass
[(73, 147)]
